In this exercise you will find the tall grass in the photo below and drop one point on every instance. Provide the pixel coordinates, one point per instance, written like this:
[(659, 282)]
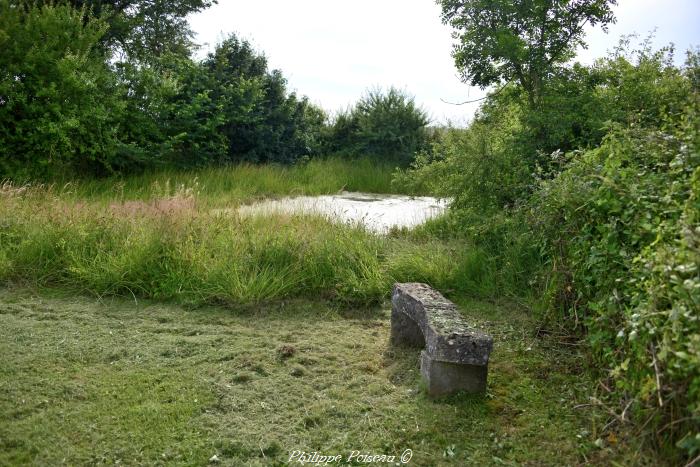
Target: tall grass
[(170, 244), (237, 183)]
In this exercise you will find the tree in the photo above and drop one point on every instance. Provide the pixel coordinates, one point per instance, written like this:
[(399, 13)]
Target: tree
[(170, 116), (390, 125), (141, 30), (57, 96), (263, 123), (386, 125), (523, 41)]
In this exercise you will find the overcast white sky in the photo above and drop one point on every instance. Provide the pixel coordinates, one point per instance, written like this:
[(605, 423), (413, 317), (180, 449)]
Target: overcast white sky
[(333, 50)]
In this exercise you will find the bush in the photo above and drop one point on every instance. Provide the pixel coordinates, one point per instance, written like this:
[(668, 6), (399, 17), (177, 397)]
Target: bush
[(226, 109), (598, 216), (56, 93), (260, 120), (67, 106), (382, 125), (474, 167), (621, 230)]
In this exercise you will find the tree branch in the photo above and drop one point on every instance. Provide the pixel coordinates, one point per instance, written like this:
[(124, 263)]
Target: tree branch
[(479, 99)]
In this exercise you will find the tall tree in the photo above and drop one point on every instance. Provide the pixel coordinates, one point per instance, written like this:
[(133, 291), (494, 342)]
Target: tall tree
[(262, 120), (523, 41), (144, 30)]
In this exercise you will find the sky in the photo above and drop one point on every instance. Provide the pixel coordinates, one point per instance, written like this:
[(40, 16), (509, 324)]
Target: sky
[(332, 51)]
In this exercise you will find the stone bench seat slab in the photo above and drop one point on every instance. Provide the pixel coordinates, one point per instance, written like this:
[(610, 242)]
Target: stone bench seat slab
[(456, 354)]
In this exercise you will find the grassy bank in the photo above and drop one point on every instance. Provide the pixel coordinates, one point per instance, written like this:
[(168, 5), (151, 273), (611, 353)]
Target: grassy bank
[(160, 236), (242, 182), (113, 381)]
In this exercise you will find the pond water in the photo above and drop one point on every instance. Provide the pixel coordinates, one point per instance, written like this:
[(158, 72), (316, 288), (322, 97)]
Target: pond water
[(378, 213)]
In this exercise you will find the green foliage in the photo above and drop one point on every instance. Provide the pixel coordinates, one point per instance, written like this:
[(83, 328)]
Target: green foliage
[(577, 107), (56, 93), (504, 41), (65, 107), (389, 125), (384, 125), (644, 86), (174, 117), (339, 136), (259, 120), (474, 167), (620, 228), (598, 215), (227, 108), (194, 117), (143, 31), (580, 102)]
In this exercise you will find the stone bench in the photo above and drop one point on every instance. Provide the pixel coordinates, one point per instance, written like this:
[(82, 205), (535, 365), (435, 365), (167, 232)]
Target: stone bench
[(456, 355)]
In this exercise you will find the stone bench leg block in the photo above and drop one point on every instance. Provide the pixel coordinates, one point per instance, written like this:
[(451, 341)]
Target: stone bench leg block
[(405, 331), (445, 378)]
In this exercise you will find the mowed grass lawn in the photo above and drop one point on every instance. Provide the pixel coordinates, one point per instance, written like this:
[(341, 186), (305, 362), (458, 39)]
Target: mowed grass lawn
[(84, 381)]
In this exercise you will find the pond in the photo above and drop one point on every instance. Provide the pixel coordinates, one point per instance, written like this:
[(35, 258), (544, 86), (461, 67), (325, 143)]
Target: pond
[(379, 213)]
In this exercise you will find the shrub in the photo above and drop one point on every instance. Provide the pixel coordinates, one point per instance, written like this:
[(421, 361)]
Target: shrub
[(384, 125), (261, 121), (604, 230), (56, 92), (620, 228), (475, 167)]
